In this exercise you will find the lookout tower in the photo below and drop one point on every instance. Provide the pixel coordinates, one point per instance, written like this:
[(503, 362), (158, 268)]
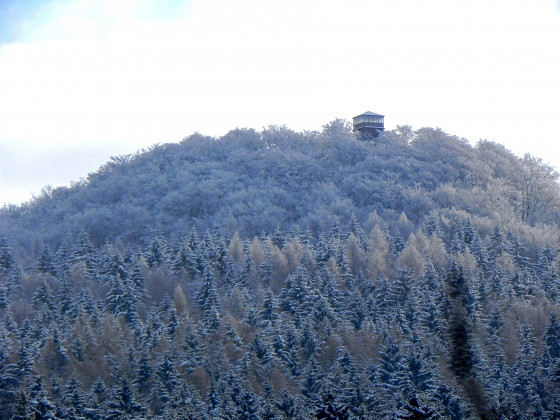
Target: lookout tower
[(368, 125)]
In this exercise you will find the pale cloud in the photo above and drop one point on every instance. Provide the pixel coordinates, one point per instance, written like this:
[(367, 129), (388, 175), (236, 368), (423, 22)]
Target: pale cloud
[(126, 74)]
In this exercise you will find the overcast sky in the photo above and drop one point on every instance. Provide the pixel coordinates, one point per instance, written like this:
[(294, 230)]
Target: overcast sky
[(82, 80)]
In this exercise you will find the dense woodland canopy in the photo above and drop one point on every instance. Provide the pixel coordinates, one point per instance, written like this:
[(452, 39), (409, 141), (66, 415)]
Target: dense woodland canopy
[(281, 274)]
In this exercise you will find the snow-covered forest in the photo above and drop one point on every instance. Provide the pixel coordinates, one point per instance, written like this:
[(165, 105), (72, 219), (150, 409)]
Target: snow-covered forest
[(287, 275)]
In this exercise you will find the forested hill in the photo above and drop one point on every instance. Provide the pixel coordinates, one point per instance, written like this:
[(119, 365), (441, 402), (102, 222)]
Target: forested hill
[(254, 182), (284, 275)]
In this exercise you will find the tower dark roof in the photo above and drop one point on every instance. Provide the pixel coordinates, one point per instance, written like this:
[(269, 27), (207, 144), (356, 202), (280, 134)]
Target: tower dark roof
[(371, 114)]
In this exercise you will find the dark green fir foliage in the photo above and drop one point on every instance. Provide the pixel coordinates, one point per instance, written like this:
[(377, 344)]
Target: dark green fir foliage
[(83, 254), (551, 351), (547, 273), (10, 375), (530, 391), (7, 260), (459, 330), (121, 402), (46, 263), (208, 300)]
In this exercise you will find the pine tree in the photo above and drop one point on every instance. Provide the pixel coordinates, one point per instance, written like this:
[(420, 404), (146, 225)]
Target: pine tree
[(193, 347), (65, 302), (312, 382), (9, 372), (519, 252), (4, 296), (244, 403), (458, 243), (165, 394), (62, 260), (75, 400), (60, 357), (43, 296), (208, 300), (431, 226), (100, 392), (547, 274), (143, 373), (83, 254), (298, 296), (112, 265), (450, 405), (357, 310), (322, 251), (478, 251), (330, 290), (267, 316), (551, 354), (342, 378), (330, 410), (459, 332), (46, 263), (136, 277), (40, 405), (286, 346), (498, 245), (122, 300), (413, 411), (122, 402), (526, 379), (402, 288), (179, 258), (25, 363), (389, 374), (288, 404), (7, 260), (21, 409), (156, 253), (173, 325)]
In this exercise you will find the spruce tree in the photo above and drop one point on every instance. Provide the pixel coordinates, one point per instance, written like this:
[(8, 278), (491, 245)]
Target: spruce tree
[(122, 402), (208, 300), (46, 263), (551, 353), (7, 260), (528, 385)]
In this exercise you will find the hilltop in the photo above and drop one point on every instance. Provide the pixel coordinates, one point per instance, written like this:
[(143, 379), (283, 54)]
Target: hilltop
[(255, 182)]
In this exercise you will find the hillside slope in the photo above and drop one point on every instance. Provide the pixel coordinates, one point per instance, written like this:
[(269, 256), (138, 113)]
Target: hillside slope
[(283, 275), (253, 182)]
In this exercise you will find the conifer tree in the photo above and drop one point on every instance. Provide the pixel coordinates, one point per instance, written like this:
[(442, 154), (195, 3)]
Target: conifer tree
[(40, 405), (46, 264), (100, 392), (551, 354), (62, 260), (208, 300), (83, 253), (75, 400), (122, 299), (7, 260), (20, 410), (547, 274), (498, 245), (330, 410), (122, 402), (528, 385), (267, 316), (342, 378), (156, 253), (288, 404), (9, 382)]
